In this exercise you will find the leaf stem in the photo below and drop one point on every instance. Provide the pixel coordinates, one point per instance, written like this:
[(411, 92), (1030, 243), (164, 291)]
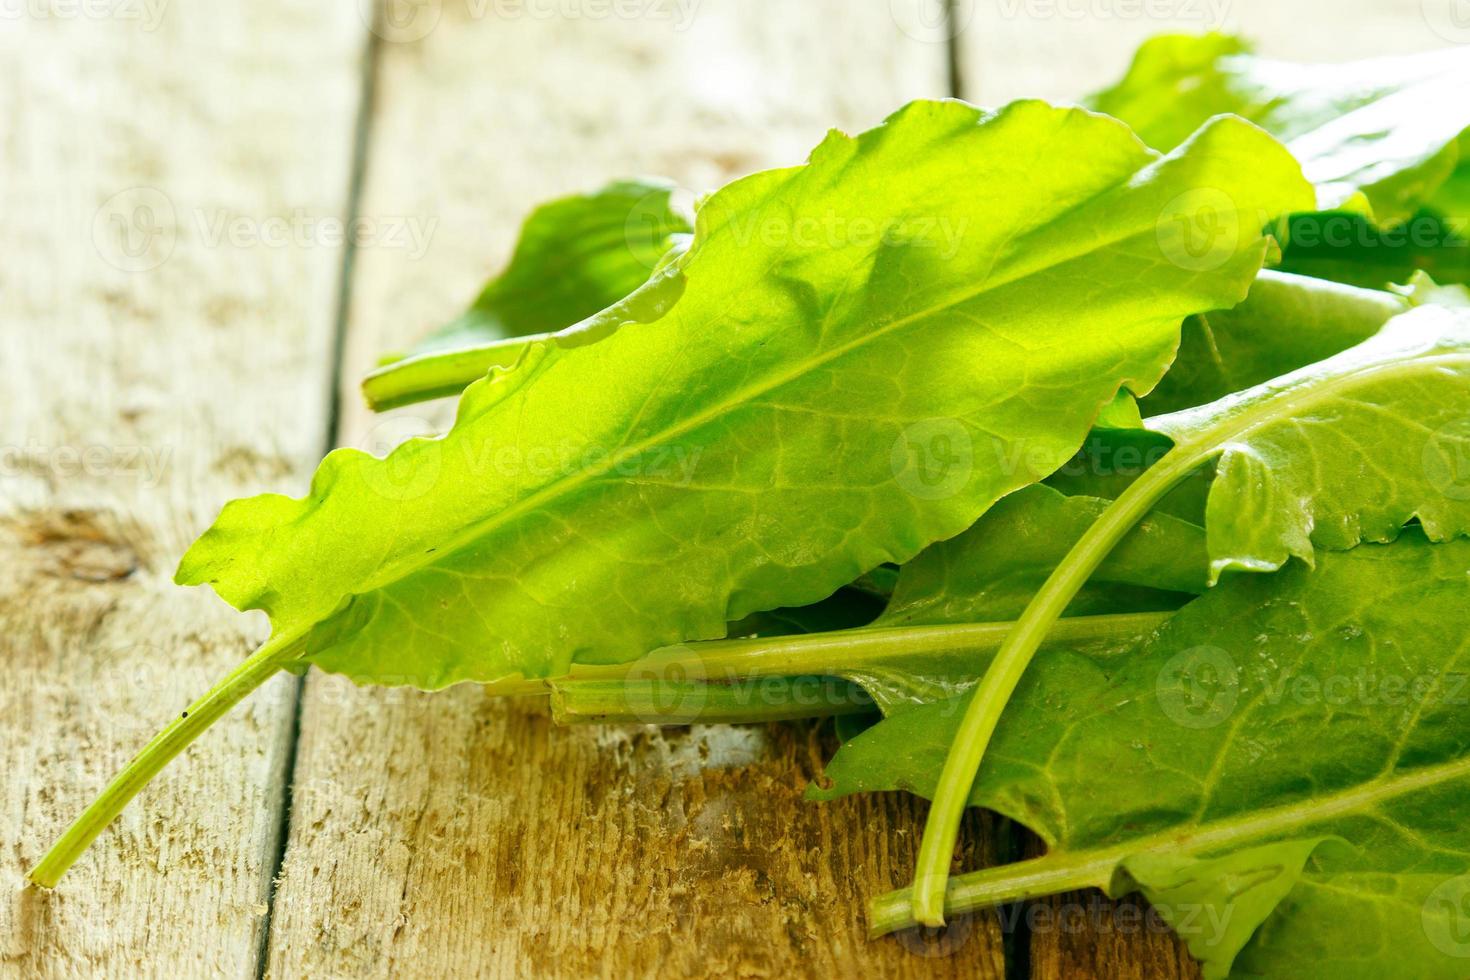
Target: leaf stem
[(1047, 875), (831, 653), (952, 793), (673, 703), (254, 671), (440, 373)]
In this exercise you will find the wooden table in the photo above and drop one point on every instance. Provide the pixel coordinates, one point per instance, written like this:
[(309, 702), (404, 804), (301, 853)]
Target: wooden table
[(183, 323)]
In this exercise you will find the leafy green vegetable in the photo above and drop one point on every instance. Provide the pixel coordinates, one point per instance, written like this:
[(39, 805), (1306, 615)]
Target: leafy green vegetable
[(1388, 128), (952, 601), (857, 348), (1422, 290), (576, 256), (959, 596), (1275, 769), (870, 437), (1345, 451), (955, 599), (990, 572), (1390, 132), (1286, 322), (897, 667), (1350, 248), (847, 608), (1120, 413), (1110, 461), (1453, 197), (987, 575), (451, 570), (1340, 452)]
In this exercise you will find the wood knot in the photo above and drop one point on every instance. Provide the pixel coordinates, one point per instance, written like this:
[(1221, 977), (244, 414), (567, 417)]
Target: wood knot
[(78, 544)]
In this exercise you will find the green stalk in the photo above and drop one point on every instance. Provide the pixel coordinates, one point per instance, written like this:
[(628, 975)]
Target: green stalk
[(640, 691), (1063, 871), (253, 672), (831, 653), (439, 374), (931, 874), (1018, 882), (664, 703)]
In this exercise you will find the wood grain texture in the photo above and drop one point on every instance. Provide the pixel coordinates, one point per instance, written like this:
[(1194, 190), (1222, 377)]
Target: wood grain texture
[(1083, 934), (151, 371), (453, 834), (1063, 49), (164, 347)]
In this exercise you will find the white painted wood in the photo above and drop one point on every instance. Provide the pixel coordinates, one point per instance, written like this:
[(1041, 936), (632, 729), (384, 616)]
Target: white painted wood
[(152, 370)]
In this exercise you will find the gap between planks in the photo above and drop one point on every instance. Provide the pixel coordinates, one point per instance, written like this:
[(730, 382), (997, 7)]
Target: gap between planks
[(361, 143), (412, 808)]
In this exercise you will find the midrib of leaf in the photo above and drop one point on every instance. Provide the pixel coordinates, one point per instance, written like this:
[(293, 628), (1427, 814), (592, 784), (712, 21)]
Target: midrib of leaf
[(999, 683), (987, 284), (831, 653), (559, 488), (1212, 440), (1069, 870)]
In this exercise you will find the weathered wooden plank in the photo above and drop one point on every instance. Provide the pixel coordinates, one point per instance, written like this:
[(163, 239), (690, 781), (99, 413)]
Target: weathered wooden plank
[(151, 370), (1061, 50), (452, 834), (1085, 935)]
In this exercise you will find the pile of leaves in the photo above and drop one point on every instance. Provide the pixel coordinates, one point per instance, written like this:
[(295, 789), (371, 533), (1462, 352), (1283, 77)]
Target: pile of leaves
[(1104, 467)]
